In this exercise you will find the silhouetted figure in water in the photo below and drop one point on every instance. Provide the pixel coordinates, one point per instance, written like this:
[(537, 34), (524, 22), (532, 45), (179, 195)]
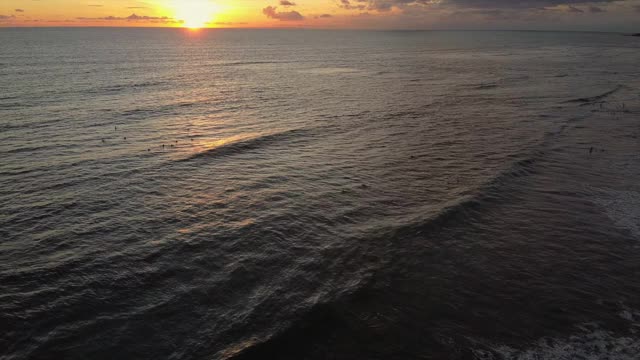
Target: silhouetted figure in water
[(102, 140), (115, 128), (125, 138), (591, 150), (148, 149), (163, 146)]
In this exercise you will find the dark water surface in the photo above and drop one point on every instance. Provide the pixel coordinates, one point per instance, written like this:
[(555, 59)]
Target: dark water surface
[(168, 194)]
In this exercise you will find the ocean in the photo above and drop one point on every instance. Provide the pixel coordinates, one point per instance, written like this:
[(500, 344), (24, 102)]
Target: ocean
[(308, 194)]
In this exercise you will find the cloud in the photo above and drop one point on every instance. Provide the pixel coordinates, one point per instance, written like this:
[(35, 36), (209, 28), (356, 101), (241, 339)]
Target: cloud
[(138, 17), (346, 4), (383, 5), (19, 10), (271, 12), (386, 5), (6, 17), (523, 4), (287, 3), (135, 17), (492, 14)]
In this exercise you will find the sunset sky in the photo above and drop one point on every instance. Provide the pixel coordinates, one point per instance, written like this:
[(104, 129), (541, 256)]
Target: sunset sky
[(602, 15)]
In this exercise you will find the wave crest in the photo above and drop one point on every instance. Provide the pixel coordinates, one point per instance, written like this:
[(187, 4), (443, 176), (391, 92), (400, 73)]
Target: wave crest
[(244, 142)]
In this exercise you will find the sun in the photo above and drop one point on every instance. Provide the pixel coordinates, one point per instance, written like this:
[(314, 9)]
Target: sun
[(195, 14)]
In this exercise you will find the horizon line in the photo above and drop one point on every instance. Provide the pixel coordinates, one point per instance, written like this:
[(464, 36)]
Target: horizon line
[(308, 28)]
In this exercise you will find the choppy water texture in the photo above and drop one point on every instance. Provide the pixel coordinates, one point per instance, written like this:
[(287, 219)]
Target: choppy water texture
[(168, 194)]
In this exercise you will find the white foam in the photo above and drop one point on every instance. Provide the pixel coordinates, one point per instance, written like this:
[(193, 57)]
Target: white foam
[(590, 342), (623, 207), (595, 344)]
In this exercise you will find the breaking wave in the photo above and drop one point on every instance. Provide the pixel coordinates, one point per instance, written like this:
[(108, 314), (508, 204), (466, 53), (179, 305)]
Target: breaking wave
[(589, 342), (592, 99), (244, 142)]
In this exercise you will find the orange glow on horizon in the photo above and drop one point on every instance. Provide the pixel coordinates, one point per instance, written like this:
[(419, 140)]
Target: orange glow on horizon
[(617, 16), (188, 14)]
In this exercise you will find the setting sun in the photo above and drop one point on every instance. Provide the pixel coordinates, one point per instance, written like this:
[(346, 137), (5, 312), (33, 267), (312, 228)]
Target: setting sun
[(195, 14)]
